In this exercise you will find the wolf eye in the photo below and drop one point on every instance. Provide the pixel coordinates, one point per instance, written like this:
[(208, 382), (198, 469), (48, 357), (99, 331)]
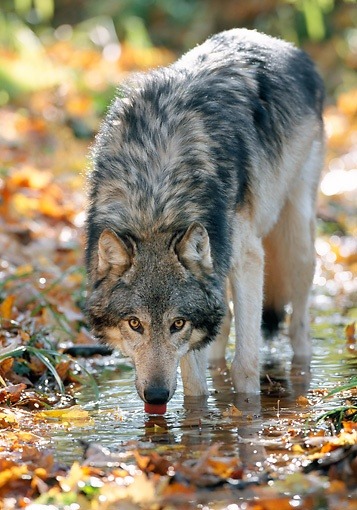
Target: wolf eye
[(134, 323), (177, 325)]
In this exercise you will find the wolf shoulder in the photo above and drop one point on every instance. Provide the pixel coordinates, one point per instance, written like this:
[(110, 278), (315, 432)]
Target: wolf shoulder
[(261, 61)]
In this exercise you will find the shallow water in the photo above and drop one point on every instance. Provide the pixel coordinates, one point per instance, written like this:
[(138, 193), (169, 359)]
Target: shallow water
[(191, 425)]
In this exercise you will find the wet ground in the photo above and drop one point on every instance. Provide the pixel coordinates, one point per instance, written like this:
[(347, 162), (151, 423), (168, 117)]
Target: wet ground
[(251, 429)]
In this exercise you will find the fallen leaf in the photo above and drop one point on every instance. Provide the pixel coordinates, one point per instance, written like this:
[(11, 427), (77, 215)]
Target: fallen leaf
[(232, 411), (8, 475), (7, 419), (12, 393), (74, 413), (62, 368), (224, 467), (30, 177), (302, 401), (349, 426), (6, 307), (6, 366), (177, 489), (152, 463), (350, 331)]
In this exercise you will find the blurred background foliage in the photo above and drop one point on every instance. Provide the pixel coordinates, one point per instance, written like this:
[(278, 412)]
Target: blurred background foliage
[(326, 28)]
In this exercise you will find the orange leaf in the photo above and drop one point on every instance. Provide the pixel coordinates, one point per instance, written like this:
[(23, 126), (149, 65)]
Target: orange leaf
[(6, 307), (347, 103), (223, 467), (6, 366), (302, 401), (349, 426), (14, 473), (79, 106), (30, 177), (31, 125), (329, 447), (283, 503)]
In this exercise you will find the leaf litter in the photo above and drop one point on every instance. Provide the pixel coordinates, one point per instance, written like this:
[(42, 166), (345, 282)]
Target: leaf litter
[(309, 457)]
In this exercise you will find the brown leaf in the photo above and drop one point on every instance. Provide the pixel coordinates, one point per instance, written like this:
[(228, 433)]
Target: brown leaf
[(350, 331), (12, 393), (232, 412), (62, 369), (36, 366), (153, 463)]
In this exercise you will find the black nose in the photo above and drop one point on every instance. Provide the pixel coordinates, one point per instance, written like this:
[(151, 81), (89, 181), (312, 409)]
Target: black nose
[(156, 395)]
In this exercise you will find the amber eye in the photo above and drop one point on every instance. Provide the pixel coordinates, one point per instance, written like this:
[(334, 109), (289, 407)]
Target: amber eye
[(134, 323), (177, 325)]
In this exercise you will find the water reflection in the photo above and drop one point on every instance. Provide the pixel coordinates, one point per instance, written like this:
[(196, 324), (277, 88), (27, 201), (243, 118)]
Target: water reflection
[(244, 426)]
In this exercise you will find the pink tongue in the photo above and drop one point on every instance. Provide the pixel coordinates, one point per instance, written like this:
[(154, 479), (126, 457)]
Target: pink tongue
[(155, 408)]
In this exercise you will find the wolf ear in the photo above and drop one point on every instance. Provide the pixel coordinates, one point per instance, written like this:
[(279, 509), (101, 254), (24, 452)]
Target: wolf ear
[(194, 250), (113, 254)]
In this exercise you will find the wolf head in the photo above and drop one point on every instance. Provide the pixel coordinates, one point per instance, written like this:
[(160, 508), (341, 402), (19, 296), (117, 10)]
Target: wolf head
[(155, 299)]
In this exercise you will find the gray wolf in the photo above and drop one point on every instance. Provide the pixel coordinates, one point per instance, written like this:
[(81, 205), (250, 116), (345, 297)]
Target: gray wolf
[(204, 177)]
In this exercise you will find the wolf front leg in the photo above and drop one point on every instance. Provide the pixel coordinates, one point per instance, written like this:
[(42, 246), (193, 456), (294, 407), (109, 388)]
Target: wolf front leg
[(247, 276), (193, 372), (217, 349)]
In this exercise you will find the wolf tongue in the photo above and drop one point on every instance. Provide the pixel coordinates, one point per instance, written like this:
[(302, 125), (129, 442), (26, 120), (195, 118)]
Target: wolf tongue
[(155, 408)]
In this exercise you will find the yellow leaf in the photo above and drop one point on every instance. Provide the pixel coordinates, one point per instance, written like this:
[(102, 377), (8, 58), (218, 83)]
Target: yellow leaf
[(74, 413), (41, 473), (7, 418), (159, 430), (24, 270), (24, 205), (296, 448), (75, 475), (27, 437), (142, 490)]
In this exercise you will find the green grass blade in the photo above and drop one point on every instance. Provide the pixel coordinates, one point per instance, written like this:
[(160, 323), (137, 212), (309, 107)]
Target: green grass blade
[(46, 361)]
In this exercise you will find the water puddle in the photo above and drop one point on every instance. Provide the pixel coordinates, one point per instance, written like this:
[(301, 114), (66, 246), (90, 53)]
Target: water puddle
[(249, 429)]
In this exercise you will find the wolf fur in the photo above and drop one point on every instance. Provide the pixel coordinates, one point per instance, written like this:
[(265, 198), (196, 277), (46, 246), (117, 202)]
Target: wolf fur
[(205, 175)]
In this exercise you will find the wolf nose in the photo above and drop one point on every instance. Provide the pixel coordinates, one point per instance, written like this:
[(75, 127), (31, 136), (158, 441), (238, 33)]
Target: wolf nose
[(156, 395)]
